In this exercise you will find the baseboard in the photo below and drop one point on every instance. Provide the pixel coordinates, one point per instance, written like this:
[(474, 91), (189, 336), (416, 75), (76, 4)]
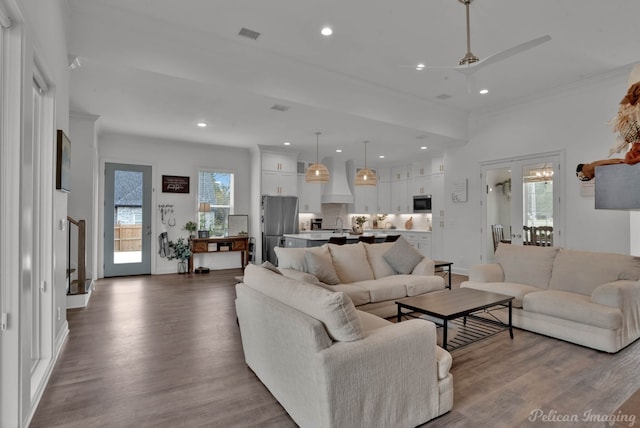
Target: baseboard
[(80, 300)]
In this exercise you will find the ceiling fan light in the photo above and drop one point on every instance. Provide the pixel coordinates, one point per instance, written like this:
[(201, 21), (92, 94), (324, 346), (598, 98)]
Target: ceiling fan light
[(366, 177), (317, 173)]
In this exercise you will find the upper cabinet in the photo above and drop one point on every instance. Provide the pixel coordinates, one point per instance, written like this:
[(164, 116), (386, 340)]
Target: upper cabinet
[(309, 194), (279, 172)]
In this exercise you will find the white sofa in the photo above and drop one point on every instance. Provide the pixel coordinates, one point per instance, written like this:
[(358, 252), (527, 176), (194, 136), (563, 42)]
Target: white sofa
[(331, 365), (374, 276), (588, 298)]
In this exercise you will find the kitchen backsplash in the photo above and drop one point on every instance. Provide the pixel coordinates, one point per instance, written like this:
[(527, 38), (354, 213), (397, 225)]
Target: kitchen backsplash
[(330, 212)]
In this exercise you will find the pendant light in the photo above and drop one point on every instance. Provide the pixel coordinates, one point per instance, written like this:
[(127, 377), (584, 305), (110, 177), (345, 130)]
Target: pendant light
[(317, 173), (365, 176)]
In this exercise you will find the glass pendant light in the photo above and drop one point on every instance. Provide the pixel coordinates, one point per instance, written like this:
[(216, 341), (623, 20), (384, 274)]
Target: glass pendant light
[(365, 176), (317, 173)]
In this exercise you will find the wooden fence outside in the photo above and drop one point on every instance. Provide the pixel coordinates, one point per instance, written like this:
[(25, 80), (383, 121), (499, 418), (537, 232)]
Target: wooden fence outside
[(127, 237)]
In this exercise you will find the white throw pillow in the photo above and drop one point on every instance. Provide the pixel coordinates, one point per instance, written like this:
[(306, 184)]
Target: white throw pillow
[(271, 267), (375, 254), (350, 262), (321, 266), (402, 256)]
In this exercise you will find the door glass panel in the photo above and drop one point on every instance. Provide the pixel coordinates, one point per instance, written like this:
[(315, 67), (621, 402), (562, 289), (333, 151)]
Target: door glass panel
[(498, 215), (127, 220), (537, 201)]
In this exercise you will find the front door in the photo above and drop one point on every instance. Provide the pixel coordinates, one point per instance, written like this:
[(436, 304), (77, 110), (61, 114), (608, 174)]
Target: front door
[(127, 220), (520, 194)]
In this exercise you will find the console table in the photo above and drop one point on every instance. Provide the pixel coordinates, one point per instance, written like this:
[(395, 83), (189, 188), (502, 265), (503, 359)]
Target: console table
[(220, 245)]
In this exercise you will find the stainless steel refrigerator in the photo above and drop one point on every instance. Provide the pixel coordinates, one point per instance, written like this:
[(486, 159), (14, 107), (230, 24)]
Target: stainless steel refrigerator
[(279, 216)]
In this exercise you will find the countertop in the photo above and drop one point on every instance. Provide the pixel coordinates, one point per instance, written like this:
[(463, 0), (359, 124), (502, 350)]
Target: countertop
[(323, 235)]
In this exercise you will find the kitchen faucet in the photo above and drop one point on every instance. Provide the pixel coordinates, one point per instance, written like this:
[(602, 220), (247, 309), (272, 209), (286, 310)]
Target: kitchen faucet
[(340, 229)]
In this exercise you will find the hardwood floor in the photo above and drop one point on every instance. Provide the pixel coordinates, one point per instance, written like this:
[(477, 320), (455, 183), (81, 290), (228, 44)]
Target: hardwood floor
[(165, 351)]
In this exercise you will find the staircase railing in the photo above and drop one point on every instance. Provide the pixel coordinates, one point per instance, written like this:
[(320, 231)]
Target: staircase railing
[(81, 250)]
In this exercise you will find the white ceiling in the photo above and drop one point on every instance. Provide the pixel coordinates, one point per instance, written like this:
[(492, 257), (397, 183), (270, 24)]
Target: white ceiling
[(156, 67)]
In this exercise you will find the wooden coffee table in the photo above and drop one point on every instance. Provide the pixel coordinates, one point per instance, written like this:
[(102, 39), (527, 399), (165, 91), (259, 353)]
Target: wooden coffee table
[(447, 305)]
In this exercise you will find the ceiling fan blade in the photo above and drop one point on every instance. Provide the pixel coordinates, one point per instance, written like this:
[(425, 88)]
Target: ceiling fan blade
[(511, 51)]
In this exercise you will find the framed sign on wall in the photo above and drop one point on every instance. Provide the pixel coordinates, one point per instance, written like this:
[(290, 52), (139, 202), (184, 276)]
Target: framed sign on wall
[(175, 184), (63, 162)]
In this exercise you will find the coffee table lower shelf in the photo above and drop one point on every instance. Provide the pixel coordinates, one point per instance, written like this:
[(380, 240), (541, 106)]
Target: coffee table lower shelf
[(475, 329), (462, 308)]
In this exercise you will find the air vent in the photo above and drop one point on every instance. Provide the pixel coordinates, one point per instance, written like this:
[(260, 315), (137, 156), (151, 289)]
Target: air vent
[(443, 96), (280, 107), (245, 32)]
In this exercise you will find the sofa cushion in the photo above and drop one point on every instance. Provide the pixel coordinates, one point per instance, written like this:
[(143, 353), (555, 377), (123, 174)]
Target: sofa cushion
[(525, 264), (375, 255), (445, 361), (371, 322), (402, 256), (389, 288), (320, 265), (420, 284), (294, 258), (350, 262), (582, 271), (358, 295), (516, 290), (572, 307), (334, 309)]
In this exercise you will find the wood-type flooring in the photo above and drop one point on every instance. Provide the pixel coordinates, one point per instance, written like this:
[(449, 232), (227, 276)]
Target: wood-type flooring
[(165, 351)]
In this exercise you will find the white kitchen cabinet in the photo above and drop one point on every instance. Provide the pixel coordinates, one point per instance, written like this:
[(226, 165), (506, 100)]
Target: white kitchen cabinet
[(420, 186), (437, 165), (437, 238), (399, 197), (279, 174), (279, 184), (384, 190), (279, 162), (400, 173), (366, 199), (420, 169), (309, 196), (437, 196)]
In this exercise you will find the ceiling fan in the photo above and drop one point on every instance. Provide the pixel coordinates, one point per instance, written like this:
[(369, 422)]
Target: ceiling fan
[(471, 63)]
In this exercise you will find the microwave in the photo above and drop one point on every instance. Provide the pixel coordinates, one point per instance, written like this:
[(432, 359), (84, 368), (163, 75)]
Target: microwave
[(422, 204)]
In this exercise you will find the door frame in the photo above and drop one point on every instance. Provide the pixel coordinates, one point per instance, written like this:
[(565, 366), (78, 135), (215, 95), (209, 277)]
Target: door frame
[(101, 212), (558, 196)]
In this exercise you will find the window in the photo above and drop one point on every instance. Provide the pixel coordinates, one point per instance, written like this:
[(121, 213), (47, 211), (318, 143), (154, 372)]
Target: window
[(215, 201)]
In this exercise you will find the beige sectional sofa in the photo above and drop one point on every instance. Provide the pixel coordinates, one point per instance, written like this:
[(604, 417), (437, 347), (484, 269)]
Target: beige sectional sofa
[(588, 298), (374, 276), (331, 365)]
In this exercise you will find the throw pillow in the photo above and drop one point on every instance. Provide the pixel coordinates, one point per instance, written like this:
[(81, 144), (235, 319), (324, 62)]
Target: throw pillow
[(402, 256), (321, 266), (271, 267)]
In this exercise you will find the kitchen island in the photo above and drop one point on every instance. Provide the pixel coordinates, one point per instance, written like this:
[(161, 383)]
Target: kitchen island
[(316, 239), (420, 239)]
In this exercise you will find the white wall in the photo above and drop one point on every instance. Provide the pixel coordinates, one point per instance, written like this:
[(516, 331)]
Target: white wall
[(36, 35), (168, 157), (84, 169), (574, 120)]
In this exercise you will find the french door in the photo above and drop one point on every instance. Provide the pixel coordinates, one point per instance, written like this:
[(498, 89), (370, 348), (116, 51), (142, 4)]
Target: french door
[(127, 220), (521, 194)]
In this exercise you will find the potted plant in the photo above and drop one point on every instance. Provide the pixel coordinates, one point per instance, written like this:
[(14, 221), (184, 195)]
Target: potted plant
[(180, 250), (191, 227), (359, 221), (203, 232)]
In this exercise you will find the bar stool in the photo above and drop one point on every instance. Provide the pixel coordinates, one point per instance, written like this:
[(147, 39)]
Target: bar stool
[(391, 238), (369, 239), (338, 240)]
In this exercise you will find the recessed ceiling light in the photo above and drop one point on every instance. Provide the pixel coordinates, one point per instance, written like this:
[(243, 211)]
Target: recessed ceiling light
[(287, 143), (484, 91), (338, 150), (420, 67), (423, 148), (326, 31), (202, 124), (381, 156)]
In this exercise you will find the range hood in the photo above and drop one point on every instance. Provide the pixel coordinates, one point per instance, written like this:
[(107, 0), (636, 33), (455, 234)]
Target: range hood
[(337, 191)]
